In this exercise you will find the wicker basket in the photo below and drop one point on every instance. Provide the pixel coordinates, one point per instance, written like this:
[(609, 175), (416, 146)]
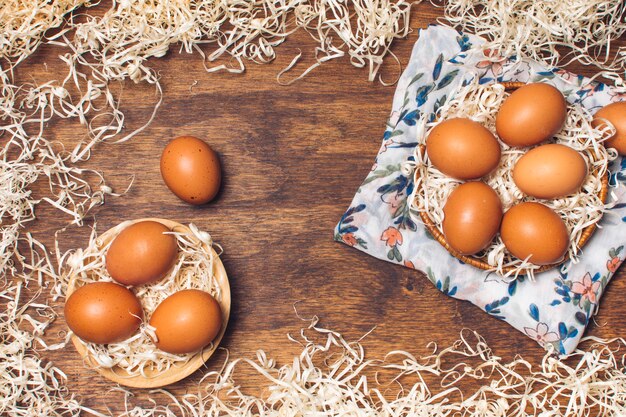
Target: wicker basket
[(480, 263)]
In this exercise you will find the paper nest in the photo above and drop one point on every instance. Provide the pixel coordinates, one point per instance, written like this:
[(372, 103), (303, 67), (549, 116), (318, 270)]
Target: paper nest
[(579, 211), (138, 355)]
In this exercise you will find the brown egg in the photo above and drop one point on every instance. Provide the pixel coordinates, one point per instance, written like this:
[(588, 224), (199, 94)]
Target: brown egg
[(103, 312), (191, 170), (615, 113), (472, 216), (534, 230), (141, 254), (186, 321), (531, 114), (463, 149), (550, 171)]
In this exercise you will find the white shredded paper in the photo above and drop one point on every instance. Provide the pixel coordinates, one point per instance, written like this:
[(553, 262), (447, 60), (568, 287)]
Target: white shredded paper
[(29, 386), (554, 32), (335, 377)]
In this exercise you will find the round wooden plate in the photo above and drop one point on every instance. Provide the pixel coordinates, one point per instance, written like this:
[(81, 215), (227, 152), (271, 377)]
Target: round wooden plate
[(175, 373)]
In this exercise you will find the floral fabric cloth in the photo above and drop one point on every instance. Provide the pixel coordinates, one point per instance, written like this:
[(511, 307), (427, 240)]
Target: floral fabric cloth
[(558, 305)]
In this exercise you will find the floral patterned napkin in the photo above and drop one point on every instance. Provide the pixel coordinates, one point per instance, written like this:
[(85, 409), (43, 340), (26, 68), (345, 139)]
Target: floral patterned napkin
[(557, 306)]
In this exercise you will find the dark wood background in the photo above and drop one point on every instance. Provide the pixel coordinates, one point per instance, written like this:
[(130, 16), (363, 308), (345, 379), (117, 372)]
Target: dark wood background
[(293, 158)]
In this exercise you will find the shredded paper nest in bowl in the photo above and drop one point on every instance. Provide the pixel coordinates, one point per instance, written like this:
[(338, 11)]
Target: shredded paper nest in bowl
[(579, 211), (138, 355)]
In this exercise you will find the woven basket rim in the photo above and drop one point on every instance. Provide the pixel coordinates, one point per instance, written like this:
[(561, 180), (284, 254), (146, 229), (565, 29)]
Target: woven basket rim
[(478, 262)]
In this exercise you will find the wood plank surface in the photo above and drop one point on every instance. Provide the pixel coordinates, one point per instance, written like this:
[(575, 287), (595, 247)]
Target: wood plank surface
[(293, 157)]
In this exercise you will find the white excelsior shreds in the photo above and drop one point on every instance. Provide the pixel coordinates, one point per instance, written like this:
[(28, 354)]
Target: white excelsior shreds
[(365, 28), (334, 377), (23, 24), (481, 103), (28, 385), (132, 31), (554, 32), (138, 354), (27, 157)]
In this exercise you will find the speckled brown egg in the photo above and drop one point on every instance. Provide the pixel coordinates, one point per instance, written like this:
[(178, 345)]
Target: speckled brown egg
[(186, 321), (531, 114), (191, 170), (472, 217), (615, 113), (142, 253), (463, 149), (103, 312), (550, 171), (532, 230)]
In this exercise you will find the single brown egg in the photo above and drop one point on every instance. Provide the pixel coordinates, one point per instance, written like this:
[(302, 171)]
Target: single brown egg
[(191, 170), (531, 114), (186, 321), (615, 113), (532, 230), (472, 216), (463, 149), (550, 171), (142, 253), (103, 312)]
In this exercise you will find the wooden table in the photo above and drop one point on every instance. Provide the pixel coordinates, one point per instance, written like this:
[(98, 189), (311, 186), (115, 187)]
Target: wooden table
[(293, 158)]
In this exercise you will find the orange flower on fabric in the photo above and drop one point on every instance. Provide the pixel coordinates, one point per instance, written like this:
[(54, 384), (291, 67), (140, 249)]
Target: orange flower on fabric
[(493, 63), (392, 236), (613, 264), (349, 239), (586, 288), (409, 264)]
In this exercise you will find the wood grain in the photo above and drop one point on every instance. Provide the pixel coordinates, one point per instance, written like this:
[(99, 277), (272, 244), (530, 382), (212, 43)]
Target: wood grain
[(293, 158)]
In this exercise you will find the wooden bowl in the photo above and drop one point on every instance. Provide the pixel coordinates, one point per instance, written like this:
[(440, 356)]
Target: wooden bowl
[(480, 263), (175, 373)]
